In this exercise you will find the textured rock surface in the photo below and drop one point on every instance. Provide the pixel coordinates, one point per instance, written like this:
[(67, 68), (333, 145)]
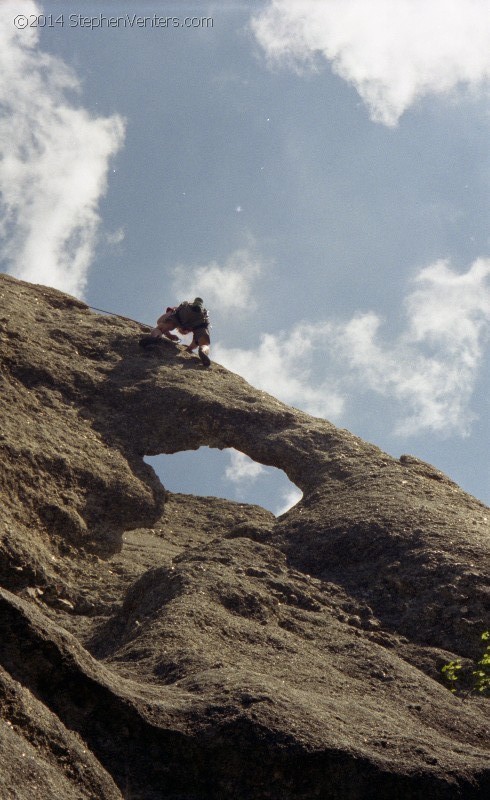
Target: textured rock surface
[(159, 646)]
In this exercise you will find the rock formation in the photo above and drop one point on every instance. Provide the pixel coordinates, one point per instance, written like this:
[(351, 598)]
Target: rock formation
[(157, 646)]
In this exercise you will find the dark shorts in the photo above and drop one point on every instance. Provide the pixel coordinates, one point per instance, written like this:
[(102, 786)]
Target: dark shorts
[(202, 330)]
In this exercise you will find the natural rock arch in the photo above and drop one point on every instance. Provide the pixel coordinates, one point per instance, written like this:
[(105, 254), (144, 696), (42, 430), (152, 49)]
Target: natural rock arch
[(226, 474)]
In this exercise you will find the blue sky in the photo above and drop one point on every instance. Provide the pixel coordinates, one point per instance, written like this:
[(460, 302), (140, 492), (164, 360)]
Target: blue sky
[(318, 172)]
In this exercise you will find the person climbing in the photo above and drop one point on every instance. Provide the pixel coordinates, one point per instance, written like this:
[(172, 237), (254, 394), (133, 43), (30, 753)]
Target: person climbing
[(186, 318)]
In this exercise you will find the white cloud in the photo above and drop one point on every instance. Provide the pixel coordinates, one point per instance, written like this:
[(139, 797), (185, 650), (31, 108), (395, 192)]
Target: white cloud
[(228, 287), (54, 159), (432, 367), (282, 364), (242, 468), (429, 369), (452, 308), (393, 51)]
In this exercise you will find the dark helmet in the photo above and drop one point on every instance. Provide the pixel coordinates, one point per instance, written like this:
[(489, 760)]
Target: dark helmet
[(198, 301)]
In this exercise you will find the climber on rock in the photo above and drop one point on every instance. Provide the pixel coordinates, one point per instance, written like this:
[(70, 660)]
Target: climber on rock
[(185, 318)]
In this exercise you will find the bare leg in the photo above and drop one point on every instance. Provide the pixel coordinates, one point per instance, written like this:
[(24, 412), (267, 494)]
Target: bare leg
[(204, 342)]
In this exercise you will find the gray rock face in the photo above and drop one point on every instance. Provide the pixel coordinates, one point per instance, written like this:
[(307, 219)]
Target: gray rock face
[(157, 646)]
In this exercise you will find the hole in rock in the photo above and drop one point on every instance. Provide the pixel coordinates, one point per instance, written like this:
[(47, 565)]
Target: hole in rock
[(228, 474)]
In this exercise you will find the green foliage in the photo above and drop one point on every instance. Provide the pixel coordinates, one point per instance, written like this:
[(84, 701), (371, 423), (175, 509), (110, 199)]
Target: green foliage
[(474, 678), (482, 672), (450, 672)]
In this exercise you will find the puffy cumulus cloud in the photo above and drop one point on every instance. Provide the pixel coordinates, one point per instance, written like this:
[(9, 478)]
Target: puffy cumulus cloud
[(284, 365), (452, 308), (242, 468), (432, 367), (228, 286), (54, 159), (393, 51), (428, 371)]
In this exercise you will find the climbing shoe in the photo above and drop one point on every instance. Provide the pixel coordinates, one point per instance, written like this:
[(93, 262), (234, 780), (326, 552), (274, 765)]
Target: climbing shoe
[(204, 357)]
